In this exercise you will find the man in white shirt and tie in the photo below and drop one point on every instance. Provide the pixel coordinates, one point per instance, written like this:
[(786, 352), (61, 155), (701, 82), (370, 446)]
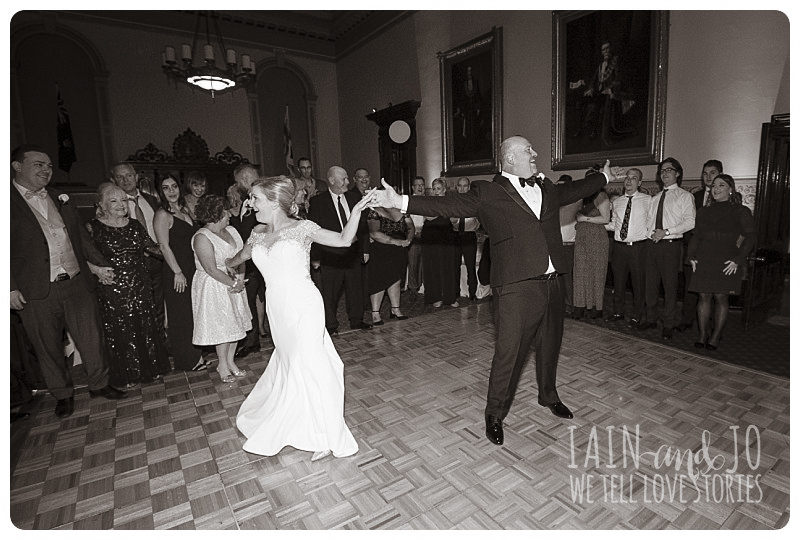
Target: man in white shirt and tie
[(630, 214), (340, 268), (672, 213)]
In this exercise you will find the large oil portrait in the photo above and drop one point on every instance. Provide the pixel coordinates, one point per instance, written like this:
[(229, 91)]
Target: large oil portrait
[(471, 90), (609, 87)]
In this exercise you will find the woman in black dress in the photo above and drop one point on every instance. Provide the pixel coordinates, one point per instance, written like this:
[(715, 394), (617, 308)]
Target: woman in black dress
[(387, 260), (724, 234), (438, 253), (174, 229), (134, 348)]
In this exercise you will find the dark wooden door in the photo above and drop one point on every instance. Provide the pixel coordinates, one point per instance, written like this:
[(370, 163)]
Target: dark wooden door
[(767, 264)]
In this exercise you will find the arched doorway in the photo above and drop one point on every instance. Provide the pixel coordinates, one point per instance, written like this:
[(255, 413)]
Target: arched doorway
[(281, 84), (43, 56)]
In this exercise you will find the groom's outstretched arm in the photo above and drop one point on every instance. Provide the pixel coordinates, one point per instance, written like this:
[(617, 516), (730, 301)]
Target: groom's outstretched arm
[(456, 205)]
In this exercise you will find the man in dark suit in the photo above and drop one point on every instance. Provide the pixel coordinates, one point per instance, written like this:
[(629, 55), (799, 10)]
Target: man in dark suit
[(245, 175), (711, 169), (52, 286), (340, 268), (142, 207), (466, 246), (361, 183), (519, 210)]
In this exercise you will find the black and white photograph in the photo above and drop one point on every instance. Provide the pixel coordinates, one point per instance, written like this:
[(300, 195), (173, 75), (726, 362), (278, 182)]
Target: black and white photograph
[(405, 271)]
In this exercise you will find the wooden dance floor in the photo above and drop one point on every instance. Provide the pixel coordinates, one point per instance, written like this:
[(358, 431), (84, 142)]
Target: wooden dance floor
[(168, 456)]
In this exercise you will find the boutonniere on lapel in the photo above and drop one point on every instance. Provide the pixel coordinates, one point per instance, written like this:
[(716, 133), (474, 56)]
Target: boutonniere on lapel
[(63, 199)]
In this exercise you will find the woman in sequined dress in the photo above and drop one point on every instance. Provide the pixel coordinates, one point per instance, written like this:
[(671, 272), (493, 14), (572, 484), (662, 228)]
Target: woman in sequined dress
[(299, 400), (135, 352), (174, 229), (219, 305)]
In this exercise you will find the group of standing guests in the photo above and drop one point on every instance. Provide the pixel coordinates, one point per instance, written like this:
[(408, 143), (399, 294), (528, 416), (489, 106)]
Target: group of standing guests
[(710, 232), (443, 243)]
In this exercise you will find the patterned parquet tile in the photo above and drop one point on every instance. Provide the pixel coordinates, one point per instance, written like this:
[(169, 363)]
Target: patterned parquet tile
[(662, 439)]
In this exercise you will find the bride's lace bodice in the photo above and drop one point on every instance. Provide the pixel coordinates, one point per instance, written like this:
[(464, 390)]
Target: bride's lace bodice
[(284, 256)]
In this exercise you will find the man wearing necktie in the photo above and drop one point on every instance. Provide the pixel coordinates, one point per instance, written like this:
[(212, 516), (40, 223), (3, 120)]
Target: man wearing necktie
[(466, 239), (671, 215), (52, 289), (142, 207), (711, 169), (244, 175), (629, 219), (340, 268), (519, 210)]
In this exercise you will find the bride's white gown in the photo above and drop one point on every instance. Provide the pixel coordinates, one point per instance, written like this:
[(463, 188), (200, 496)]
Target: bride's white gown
[(299, 400)]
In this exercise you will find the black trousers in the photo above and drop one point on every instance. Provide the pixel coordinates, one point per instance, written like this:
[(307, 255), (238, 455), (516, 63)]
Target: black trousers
[(526, 313), (342, 278), (253, 288), (70, 306), (155, 272), (629, 260), (689, 298), (569, 250), (466, 246), (662, 267)]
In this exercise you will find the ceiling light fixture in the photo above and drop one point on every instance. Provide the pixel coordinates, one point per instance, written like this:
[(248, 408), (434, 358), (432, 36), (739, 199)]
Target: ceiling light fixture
[(208, 76)]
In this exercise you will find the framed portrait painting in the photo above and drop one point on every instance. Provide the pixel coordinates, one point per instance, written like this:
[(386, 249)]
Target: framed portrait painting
[(471, 87), (609, 87)]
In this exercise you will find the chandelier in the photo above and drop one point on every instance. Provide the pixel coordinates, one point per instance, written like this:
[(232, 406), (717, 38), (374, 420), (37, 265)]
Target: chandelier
[(207, 75)]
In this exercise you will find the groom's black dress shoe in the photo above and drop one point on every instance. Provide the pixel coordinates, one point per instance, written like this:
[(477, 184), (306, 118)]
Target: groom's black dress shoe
[(65, 407), (557, 408), (494, 429)]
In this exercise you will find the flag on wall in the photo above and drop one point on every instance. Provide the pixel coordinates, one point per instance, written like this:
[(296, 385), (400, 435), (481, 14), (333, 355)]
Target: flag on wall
[(287, 145), (66, 148)]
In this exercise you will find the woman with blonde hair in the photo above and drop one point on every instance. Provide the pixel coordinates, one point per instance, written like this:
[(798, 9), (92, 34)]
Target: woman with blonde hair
[(299, 400)]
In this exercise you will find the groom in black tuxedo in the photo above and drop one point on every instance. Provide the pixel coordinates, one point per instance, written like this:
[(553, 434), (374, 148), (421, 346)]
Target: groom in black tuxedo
[(519, 209), (340, 268)]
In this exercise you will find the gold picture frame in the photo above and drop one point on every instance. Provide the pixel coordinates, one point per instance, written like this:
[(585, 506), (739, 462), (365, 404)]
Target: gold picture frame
[(609, 87), (471, 88)]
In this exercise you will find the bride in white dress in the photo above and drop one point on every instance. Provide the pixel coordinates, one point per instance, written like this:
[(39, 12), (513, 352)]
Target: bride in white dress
[(299, 400)]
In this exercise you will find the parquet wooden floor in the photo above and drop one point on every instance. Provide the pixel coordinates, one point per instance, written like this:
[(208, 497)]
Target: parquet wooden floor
[(168, 456)]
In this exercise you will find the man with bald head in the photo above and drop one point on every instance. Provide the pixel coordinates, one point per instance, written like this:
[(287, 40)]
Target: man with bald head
[(340, 268), (519, 210)]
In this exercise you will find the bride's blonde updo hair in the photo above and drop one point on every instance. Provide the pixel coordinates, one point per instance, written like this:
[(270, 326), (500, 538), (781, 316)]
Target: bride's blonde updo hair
[(280, 189)]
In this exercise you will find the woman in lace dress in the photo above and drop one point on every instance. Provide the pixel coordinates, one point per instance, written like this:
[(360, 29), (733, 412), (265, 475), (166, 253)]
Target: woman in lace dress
[(299, 400), (219, 305)]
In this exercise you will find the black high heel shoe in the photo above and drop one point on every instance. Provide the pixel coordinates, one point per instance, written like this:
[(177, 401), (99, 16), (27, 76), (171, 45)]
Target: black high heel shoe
[(379, 321), (710, 347), (398, 317)]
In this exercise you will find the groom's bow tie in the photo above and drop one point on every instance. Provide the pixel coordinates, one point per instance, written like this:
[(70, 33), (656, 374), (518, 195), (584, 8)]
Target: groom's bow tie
[(534, 180)]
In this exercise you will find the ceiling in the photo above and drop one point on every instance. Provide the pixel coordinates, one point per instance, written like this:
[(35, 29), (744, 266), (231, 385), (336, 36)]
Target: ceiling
[(330, 34)]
